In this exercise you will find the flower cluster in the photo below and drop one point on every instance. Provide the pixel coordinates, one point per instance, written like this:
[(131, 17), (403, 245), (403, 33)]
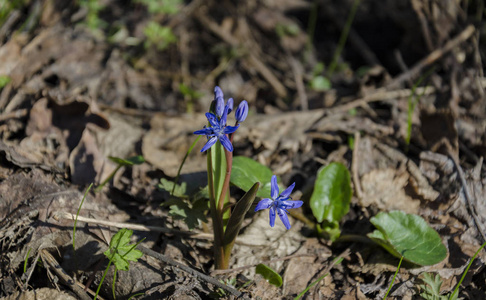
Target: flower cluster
[(219, 130), (279, 203)]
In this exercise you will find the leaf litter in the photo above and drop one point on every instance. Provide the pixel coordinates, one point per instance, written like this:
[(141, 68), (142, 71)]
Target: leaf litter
[(75, 98)]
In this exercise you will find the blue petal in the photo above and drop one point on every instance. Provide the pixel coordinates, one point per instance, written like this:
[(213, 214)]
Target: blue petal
[(226, 143), (264, 204), (229, 104), (222, 121), (205, 131), (287, 204), (218, 93), (283, 216), (272, 216), (274, 187), (288, 191), (210, 143), (219, 106), (230, 129), (242, 111), (213, 120)]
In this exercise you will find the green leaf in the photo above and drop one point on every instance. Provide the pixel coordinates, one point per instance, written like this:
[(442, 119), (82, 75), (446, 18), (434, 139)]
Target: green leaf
[(4, 80), (190, 213), (409, 236), (269, 274), (238, 215), (134, 160), (179, 190), (246, 172), (120, 251), (431, 288), (332, 193), (320, 84)]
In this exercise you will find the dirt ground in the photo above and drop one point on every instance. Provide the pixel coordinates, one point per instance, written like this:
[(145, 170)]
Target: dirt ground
[(401, 105)]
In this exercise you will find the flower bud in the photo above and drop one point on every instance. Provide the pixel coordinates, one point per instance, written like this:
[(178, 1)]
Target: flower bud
[(219, 101), (230, 105), (242, 111)]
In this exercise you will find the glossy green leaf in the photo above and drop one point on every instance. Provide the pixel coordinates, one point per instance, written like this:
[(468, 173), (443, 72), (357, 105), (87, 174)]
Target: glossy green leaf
[(269, 274), (120, 251), (246, 172), (238, 215), (409, 236), (134, 160), (332, 193)]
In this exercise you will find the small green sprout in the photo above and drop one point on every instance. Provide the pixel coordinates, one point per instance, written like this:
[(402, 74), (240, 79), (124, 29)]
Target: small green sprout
[(120, 254)]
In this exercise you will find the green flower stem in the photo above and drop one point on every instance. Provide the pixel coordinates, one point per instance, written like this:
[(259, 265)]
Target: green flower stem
[(217, 218), (223, 198), (224, 190)]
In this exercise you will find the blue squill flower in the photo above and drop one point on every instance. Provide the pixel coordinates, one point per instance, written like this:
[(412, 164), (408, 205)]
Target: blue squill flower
[(219, 99), (279, 203), (217, 131), (242, 111)]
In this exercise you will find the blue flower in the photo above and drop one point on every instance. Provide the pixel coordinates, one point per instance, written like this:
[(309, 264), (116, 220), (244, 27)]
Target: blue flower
[(242, 111), (279, 203), (217, 131), (219, 98)]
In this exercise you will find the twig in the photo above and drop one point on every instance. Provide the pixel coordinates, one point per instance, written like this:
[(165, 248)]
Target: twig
[(52, 262), (69, 216), (465, 187), (432, 57), (354, 167), (380, 95), (251, 57), (235, 270), (17, 114), (299, 82), (191, 271)]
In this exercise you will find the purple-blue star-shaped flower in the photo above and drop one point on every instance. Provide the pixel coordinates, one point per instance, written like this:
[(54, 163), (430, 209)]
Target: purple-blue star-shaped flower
[(218, 130), (279, 203)]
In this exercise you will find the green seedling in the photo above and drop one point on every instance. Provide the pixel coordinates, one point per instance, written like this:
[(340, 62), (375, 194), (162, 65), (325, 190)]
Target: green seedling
[(158, 36), (319, 83), (269, 274), (120, 254), (169, 7), (331, 198), (191, 95), (431, 288), (92, 20), (190, 208), (134, 160)]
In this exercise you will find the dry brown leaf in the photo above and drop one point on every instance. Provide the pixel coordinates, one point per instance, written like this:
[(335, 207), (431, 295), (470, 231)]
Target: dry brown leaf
[(384, 188)]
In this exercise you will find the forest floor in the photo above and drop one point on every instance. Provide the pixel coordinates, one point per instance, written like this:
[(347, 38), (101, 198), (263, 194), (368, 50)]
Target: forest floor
[(401, 105)]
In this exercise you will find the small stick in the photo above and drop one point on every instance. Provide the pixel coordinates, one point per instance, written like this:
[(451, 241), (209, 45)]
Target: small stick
[(432, 57), (187, 269), (230, 271), (69, 216), (467, 193)]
